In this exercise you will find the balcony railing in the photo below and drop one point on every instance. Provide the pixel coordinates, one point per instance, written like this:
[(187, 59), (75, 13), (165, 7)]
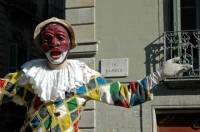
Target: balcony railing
[(185, 44)]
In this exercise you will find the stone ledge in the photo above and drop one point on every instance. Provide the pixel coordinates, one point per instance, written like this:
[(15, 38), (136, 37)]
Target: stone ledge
[(79, 3), (85, 47)]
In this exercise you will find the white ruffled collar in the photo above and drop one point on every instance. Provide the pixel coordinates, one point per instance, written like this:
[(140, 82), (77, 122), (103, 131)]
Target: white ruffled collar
[(51, 84)]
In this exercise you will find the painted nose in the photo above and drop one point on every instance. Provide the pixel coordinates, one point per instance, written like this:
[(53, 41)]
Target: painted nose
[(54, 41)]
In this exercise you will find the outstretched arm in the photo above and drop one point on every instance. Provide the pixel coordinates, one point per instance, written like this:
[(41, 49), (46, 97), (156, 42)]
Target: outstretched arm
[(136, 92), (10, 91)]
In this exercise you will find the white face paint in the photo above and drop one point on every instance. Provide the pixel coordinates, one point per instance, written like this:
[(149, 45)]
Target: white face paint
[(60, 58)]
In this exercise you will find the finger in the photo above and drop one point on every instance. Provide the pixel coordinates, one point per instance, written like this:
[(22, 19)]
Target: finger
[(173, 60), (187, 67)]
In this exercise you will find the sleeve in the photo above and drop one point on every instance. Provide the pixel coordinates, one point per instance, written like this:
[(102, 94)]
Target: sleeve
[(6, 87), (119, 94), (10, 91)]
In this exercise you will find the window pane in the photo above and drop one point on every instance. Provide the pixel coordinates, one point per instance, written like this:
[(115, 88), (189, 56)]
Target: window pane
[(188, 15)]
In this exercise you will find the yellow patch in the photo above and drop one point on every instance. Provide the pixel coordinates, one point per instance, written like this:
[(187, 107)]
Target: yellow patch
[(94, 94), (65, 122)]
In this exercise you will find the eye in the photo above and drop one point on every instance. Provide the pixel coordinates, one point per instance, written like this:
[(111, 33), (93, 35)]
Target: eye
[(60, 38), (47, 39)]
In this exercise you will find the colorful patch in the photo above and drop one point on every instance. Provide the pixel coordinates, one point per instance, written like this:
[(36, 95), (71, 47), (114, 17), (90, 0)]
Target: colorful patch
[(91, 84), (94, 94), (58, 102), (20, 91), (143, 83), (81, 90), (133, 85), (35, 122), (72, 104), (75, 125), (2, 83), (43, 112), (101, 80), (136, 100), (68, 95), (65, 122), (114, 87), (74, 115), (117, 98), (37, 103), (28, 97), (9, 87), (7, 99), (56, 129), (47, 122)]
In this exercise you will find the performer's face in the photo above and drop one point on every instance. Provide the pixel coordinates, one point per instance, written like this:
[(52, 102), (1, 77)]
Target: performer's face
[(55, 43)]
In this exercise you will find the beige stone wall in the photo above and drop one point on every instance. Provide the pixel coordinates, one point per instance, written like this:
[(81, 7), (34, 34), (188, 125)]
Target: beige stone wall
[(107, 29)]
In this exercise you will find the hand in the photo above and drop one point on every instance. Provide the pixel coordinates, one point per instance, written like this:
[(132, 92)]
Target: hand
[(171, 68)]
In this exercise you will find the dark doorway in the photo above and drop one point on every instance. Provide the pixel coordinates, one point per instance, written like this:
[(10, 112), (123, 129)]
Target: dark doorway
[(178, 120), (18, 20)]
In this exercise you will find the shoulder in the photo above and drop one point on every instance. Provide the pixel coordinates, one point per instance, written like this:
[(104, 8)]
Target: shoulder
[(77, 64), (35, 62), (13, 77)]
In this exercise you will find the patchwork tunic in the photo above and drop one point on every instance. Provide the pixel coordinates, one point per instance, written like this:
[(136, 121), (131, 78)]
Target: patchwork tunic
[(63, 114)]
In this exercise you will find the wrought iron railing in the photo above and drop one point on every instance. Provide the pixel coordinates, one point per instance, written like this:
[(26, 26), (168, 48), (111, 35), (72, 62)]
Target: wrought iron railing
[(185, 44)]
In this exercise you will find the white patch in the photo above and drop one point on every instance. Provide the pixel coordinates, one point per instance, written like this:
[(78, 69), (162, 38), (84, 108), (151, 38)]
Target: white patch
[(62, 110), (105, 94), (56, 61)]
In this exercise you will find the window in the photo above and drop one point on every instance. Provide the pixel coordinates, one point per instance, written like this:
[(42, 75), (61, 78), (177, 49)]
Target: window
[(182, 34), (181, 15)]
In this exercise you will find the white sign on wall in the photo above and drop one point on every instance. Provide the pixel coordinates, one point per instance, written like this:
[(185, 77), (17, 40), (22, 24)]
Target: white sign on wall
[(117, 67)]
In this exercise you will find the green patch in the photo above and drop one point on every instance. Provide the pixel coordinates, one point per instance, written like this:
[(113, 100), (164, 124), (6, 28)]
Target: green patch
[(72, 104), (114, 87)]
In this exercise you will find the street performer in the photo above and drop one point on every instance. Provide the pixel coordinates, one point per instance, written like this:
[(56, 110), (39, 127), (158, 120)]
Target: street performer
[(55, 89)]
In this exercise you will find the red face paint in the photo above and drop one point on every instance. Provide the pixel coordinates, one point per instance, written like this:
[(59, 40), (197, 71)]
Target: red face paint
[(55, 39)]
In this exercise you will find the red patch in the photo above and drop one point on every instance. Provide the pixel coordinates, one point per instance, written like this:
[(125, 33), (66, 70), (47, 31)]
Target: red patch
[(37, 103), (75, 126), (124, 103), (133, 85), (2, 83)]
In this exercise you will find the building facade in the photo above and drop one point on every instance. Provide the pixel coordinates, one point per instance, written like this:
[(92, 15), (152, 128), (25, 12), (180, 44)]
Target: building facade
[(129, 40), (125, 41)]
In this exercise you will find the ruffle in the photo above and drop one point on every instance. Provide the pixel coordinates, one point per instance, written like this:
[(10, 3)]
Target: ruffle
[(51, 84)]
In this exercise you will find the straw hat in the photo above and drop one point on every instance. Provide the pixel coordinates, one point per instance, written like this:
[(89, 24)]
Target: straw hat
[(63, 22)]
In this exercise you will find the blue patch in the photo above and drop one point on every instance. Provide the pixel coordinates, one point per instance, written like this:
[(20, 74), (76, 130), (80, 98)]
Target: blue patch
[(135, 100), (9, 87), (43, 112), (143, 82), (56, 129), (58, 102), (35, 122), (74, 115), (101, 80), (7, 99), (81, 90)]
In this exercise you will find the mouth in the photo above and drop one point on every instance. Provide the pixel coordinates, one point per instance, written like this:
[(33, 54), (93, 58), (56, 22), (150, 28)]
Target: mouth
[(55, 54)]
